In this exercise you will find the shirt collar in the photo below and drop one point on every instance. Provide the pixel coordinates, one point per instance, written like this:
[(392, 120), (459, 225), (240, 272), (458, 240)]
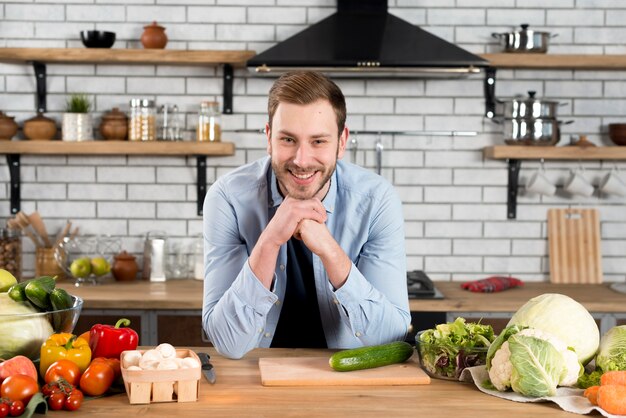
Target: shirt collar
[(275, 198)]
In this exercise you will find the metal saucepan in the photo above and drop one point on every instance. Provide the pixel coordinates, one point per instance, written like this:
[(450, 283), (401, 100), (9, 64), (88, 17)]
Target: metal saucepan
[(525, 40), (542, 132), (528, 107)]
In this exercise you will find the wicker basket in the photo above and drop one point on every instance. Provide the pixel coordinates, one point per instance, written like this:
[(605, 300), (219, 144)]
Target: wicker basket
[(145, 386)]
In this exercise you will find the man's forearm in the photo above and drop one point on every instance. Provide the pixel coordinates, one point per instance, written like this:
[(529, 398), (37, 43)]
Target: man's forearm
[(337, 265), (263, 261)]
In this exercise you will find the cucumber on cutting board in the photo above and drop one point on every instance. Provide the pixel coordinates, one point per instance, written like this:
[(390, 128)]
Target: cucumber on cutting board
[(370, 357)]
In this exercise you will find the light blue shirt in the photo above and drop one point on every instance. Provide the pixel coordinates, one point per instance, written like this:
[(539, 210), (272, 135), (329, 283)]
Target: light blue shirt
[(364, 215)]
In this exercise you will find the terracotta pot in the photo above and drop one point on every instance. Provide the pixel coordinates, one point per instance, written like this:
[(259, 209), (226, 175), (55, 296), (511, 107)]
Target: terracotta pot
[(154, 37), (40, 127), (124, 267), (8, 126), (114, 125)]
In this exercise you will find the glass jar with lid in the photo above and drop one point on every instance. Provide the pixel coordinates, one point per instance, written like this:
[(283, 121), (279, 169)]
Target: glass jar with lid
[(209, 122), (142, 122), (11, 251)]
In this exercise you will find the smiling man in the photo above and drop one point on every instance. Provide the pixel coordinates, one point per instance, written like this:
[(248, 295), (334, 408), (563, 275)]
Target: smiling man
[(302, 249)]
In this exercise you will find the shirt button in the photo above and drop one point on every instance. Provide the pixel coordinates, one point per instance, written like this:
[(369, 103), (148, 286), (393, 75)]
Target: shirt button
[(277, 302), (267, 335), (336, 301), (282, 267), (358, 334)]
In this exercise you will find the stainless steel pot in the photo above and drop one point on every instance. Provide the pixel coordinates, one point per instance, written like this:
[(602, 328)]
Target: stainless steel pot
[(528, 107), (542, 132), (524, 40)]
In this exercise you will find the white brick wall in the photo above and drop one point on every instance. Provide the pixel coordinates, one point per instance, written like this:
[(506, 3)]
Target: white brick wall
[(454, 199)]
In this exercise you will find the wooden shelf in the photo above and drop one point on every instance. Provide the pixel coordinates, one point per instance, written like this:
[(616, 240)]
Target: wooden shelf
[(56, 147), (516, 152), (556, 62), (126, 56)]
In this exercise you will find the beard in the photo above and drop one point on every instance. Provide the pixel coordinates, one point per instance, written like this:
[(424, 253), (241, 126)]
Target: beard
[(288, 186)]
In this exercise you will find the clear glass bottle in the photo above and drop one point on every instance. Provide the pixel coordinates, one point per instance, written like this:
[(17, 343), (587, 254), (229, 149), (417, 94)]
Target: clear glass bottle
[(209, 123), (142, 121), (11, 251), (169, 123)]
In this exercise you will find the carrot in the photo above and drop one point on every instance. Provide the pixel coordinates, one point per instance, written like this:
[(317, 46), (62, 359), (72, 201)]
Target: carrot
[(612, 398), (613, 378), (591, 393)]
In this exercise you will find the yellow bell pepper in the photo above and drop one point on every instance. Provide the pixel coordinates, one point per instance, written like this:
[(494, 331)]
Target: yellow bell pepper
[(64, 346)]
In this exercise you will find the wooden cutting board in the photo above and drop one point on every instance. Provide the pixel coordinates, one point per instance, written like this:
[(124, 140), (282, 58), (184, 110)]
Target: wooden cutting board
[(315, 371), (574, 246)]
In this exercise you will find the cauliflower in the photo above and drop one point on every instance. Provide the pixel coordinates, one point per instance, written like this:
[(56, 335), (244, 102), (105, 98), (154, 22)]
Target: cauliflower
[(532, 362)]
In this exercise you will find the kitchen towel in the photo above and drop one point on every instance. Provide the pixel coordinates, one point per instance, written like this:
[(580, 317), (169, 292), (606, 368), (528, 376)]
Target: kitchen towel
[(492, 284), (569, 399)]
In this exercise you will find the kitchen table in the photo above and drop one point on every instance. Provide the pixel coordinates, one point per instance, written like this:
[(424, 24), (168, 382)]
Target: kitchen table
[(238, 392)]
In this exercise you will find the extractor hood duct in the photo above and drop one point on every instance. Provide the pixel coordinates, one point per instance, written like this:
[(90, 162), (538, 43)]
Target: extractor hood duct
[(363, 39)]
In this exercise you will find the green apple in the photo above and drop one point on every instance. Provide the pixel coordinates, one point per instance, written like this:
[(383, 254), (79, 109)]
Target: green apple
[(81, 267), (100, 266), (6, 280)]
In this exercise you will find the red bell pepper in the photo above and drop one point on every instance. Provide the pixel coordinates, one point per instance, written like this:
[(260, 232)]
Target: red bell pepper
[(109, 341)]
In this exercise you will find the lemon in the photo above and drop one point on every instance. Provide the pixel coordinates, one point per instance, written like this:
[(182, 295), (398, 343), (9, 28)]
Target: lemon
[(6, 280)]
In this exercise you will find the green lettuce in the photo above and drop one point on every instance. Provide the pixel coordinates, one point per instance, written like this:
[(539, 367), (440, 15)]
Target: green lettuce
[(612, 352)]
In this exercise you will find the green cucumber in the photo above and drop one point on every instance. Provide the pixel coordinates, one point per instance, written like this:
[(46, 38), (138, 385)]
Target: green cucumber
[(38, 291), (61, 301), (370, 357), (17, 293)]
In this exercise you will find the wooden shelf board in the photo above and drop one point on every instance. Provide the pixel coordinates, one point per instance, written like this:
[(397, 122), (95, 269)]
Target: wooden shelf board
[(554, 61), (127, 56), (514, 152), (56, 147)]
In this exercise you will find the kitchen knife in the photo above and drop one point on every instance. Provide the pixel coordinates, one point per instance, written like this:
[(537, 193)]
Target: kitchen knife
[(207, 367)]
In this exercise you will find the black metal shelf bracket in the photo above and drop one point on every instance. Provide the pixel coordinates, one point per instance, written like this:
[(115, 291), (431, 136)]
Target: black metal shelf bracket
[(490, 92), (511, 203), (40, 78), (201, 181), (13, 160), (228, 89)]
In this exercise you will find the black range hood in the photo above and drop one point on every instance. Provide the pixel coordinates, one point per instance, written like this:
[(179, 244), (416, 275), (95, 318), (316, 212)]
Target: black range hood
[(362, 38)]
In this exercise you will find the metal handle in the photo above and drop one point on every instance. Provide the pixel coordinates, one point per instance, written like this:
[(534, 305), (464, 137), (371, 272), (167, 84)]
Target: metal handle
[(379, 156), (354, 145)]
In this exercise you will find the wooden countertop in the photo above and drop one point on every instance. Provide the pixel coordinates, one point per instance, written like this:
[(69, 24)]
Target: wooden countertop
[(187, 295), (238, 392)]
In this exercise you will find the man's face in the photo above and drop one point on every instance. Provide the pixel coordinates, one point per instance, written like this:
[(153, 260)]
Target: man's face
[(304, 147)]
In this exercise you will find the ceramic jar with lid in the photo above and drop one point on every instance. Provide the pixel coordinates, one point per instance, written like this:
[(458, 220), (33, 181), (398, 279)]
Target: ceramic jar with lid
[(114, 125), (40, 127), (8, 126), (124, 267), (154, 37)]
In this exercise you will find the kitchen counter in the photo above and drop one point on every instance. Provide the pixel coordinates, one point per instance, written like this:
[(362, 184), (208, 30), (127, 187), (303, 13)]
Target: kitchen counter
[(187, 295), (238, 392)]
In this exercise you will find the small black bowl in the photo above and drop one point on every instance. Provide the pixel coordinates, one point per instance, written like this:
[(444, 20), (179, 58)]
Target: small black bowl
[(97, 38)]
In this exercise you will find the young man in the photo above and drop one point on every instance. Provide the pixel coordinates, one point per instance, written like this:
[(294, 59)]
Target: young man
[(303, 250)]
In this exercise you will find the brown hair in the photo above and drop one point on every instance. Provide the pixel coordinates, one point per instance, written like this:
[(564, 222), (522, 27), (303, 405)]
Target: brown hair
[(305, 87)]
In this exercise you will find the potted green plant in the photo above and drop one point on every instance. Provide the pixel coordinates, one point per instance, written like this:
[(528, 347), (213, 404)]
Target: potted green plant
[(77, 121)]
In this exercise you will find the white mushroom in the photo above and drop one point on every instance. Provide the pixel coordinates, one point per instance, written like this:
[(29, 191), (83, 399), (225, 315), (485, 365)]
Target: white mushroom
[(166, 350), (131, 358)]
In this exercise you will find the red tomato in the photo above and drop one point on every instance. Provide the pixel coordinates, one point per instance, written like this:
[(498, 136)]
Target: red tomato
[(4, 409), (19, 387), (74, 400), (97, 378), (56, 401), (65, 369), (113, 362), (50, 388), (17, 407)]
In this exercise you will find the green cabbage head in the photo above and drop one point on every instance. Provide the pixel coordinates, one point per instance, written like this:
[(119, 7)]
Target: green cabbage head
[(20, 334), (612, 353), (564, 318)]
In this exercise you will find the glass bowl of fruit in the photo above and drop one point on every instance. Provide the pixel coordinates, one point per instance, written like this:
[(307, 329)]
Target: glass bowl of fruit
[(88, 258)]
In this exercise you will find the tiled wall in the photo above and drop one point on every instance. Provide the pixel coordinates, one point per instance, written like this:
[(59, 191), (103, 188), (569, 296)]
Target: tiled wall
[(454, 199)]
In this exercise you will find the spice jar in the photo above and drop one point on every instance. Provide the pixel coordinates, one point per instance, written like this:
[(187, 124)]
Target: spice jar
[(209, 128), (40, 127), (8, 126), (11, 251), (124, 267), (142, 122), (114, 125)]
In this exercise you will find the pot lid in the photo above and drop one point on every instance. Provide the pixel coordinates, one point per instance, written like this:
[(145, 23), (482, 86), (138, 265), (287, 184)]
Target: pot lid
[(114, 114), (532, 99), (5, 116), (40, 118), (525, 29), (124, 256)]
